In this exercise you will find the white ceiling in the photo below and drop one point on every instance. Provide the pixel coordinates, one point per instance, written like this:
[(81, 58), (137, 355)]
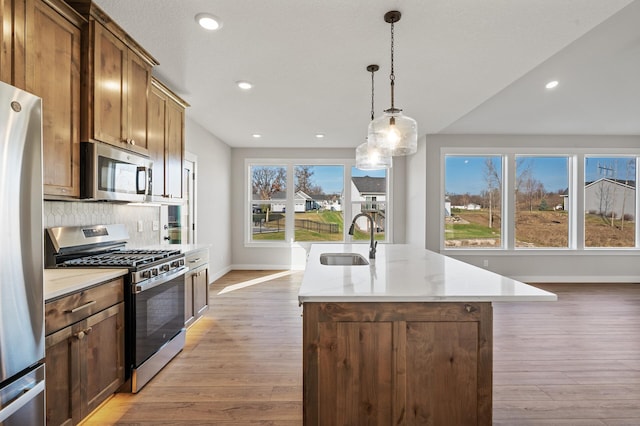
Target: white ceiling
[(462, 66)]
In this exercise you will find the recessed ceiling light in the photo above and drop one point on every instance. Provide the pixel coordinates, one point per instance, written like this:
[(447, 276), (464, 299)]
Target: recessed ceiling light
[(319, 135), (208, 21), (551, 84), (244, 85), (256, 135)]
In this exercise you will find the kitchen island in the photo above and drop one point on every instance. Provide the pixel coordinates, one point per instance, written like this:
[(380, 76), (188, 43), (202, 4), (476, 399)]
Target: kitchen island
[(405, 339)]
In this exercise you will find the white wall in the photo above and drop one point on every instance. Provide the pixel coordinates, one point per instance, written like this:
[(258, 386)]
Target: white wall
[(293, 256), (213, 195), (565, 266), (416, 172)]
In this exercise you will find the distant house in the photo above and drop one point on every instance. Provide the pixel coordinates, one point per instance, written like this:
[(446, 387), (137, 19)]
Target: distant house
[(302, 202), (470, 206), (331, 202), (447, 207), (372, 193), (610, 197)]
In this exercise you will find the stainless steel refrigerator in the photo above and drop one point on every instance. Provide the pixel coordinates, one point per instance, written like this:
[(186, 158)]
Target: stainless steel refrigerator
[(21, 259)]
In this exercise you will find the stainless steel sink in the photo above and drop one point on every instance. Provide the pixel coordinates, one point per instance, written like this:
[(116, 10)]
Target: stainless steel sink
[(348, 259)]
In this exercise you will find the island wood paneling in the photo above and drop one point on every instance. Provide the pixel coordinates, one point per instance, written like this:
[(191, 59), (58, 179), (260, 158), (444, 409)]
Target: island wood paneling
[(397, 363), (571, 362)]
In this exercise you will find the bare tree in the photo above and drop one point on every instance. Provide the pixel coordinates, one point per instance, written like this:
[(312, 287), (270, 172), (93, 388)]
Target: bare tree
[(266, 181), (606, 196), (494, 184), (304, 182), (630, 171)]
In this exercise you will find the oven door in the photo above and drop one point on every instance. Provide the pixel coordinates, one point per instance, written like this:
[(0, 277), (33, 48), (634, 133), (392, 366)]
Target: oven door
[(159, 313)]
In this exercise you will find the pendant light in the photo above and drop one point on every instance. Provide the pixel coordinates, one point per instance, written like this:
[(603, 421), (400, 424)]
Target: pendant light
[(369, 156), (394, 130)]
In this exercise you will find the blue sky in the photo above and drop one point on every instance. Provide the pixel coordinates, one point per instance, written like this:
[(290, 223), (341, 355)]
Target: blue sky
[(331, 178), (465, 174)]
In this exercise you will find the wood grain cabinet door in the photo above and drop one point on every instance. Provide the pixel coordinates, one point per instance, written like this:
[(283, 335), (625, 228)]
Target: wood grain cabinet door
[(62, 378), (175, 149), (138, 83), (156, 137), (200, 291), (397, 363), (109, 91), (53, 73), (6, 40), (102, 366)]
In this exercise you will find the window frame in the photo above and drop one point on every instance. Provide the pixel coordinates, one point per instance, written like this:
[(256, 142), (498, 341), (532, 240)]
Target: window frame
[(289, 164), (576, 199)]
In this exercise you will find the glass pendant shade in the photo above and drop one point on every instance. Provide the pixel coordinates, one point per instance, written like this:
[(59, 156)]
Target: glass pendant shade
[(369, 157), (395, 132)]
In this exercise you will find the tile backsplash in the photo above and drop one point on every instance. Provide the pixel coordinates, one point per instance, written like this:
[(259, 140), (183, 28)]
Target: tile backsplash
[(71, 213)]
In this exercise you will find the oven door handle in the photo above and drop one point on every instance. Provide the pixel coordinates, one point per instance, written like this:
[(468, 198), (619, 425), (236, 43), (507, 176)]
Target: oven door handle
[(159, 280)]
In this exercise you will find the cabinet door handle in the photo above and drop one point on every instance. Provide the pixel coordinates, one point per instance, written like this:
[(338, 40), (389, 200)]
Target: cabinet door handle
[(195, 260), (82, 333), (81, 307)]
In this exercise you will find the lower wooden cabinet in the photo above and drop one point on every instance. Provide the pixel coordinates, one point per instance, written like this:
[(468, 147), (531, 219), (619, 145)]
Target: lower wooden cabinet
[(84, 360), (397, 363), (196, 286)]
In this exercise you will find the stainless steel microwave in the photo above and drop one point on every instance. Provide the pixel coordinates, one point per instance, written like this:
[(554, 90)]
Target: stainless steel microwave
[(112, 174)]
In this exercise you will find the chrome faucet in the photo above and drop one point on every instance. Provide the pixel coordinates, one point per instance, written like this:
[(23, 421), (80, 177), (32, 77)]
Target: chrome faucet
[(373, 244)]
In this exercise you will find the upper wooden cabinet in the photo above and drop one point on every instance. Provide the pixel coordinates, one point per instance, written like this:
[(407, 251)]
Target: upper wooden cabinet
[(12, 40), (166, 140), (52, 71), (117, 80)]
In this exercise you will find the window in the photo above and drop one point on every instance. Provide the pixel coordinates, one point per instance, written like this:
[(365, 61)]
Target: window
[(309, 201), (369, 196), (318, 203), (542, 185), (473, 201), (609, 201), (542, 198), (268, 202)]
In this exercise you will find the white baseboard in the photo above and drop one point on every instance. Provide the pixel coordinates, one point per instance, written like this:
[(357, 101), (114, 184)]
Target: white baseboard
[(578, 279), (218, 274)]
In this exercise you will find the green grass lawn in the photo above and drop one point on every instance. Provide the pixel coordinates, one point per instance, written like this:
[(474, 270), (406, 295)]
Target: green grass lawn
[(326, 216), (455, 231)]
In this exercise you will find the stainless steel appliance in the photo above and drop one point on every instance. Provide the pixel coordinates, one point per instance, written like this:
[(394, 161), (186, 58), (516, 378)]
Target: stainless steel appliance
[(109, 173), (154, 292), (21, 272)]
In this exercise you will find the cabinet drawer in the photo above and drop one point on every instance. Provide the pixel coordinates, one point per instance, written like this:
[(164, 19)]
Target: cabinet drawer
[(197, 258), (77, 306)]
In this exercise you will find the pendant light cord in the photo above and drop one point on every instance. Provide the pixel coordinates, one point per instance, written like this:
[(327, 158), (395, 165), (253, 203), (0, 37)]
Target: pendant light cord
[(372, 72), (392, 76)]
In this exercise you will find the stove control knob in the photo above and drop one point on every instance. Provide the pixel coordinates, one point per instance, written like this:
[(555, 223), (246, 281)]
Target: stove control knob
[(146, 274), (154, 272), (164, 268), (181, 262)]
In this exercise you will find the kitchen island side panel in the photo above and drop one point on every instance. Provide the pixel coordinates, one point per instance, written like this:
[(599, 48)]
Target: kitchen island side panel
[(397, 363)]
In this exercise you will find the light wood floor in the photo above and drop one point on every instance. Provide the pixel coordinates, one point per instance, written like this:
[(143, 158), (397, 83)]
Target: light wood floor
[(572, 362)]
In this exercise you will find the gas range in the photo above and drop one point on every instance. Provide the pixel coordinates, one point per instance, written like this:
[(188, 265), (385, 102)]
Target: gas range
[(143, 264), (154, 292), (103, 246)]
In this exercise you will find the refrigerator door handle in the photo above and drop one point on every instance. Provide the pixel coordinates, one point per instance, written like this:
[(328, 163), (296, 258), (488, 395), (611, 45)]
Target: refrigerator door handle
[(21, 401)]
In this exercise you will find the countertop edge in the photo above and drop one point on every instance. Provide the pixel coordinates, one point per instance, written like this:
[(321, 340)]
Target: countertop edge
[(60, 282)]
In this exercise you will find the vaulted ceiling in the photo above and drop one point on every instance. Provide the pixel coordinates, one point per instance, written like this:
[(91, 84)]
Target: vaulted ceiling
[(462, 66)]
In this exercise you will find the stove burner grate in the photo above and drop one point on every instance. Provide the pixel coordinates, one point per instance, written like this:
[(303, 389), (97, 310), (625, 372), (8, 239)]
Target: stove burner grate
[(124, 258)]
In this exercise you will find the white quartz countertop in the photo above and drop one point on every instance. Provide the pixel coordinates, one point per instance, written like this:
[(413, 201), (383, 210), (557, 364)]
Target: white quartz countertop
[(61, 281), (403, 273)]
